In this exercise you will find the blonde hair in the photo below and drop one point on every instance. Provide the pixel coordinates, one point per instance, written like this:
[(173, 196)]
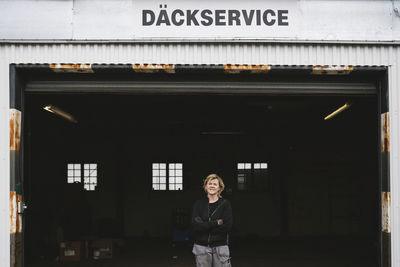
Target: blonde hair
[(212, 177)]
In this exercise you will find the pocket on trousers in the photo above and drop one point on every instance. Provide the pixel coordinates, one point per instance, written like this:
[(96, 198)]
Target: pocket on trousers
[(199, 250), (223, 255)]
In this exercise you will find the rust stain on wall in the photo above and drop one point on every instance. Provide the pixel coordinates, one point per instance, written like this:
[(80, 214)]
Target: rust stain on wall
[(152, 68), (386, 212), (18, 223), (385, 136), (235, 69), (332, 70), (72, 68), (15, 129), (13, 212), (16, 251)]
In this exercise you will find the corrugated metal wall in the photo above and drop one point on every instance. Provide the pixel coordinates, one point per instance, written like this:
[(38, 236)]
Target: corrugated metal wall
[(201, 53)]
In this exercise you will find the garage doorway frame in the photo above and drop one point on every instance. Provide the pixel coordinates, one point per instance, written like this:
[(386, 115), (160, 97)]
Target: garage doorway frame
[(19, 85)]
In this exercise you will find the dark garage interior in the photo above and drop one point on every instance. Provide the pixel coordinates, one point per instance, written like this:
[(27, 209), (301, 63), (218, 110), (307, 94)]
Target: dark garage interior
[(316, 202)]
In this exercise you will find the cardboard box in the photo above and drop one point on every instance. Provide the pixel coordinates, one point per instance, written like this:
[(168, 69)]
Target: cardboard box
[(102, 248), (71, 251)]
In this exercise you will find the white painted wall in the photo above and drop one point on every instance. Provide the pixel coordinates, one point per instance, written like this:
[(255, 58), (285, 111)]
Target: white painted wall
[(315, 20)]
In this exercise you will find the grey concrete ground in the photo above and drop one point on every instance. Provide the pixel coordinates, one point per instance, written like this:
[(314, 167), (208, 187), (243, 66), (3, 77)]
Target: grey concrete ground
[(271, 253)]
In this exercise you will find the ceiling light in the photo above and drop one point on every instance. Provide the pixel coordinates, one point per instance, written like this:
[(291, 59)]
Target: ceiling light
[(339, 110), (60, 112)]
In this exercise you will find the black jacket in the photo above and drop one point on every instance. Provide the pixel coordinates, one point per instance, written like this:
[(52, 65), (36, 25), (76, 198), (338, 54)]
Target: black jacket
[(207, 232)]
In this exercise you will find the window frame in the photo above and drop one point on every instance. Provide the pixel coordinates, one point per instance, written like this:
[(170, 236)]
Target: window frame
[(90, 177), (167, 176), (82, 174), (252, 185)]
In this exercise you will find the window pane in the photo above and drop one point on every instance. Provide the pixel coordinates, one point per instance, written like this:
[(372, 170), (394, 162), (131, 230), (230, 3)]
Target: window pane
[(93, 173), (171, 172), (163, 166), (163, 186), (264, 166), (178, 172), (179, 187), (178, 180), (77, 173), (77, 166), (70, 180), (94, 180), (78, 179), (171, 166), (93, 166), (171, 180), (171, 187), (256, 165), (156, 180), (156, 172), (240, 166), (86, 173), (163, 180), (86, 186), (247, 166), (178, 166), (163, 173), (156, 186), (70, 173)]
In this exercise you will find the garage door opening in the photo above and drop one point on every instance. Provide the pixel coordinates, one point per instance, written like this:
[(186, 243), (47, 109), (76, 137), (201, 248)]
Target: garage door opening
[(118, 184)]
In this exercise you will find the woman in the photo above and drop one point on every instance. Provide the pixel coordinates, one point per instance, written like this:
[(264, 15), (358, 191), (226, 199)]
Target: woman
[(211, 221)]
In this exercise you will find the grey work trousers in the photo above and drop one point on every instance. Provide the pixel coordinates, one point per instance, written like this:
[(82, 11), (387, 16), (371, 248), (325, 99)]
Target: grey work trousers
[(211, 257)]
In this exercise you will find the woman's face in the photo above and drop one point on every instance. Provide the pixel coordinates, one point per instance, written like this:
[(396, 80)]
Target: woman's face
[(213, 187)]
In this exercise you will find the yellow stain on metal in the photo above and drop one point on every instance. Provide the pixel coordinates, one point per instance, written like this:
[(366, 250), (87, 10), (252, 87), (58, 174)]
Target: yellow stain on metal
[(72, 68), (13, 212), (385, 135), (15, 130), (151, 68), (336, 112), (236, 69), (332, 70), (386, 212)]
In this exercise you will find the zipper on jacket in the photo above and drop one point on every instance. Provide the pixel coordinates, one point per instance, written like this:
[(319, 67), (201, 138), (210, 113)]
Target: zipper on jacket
[(209, 220)]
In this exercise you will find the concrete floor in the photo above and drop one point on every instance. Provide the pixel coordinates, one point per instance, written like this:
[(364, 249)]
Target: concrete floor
[(271, 253)]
